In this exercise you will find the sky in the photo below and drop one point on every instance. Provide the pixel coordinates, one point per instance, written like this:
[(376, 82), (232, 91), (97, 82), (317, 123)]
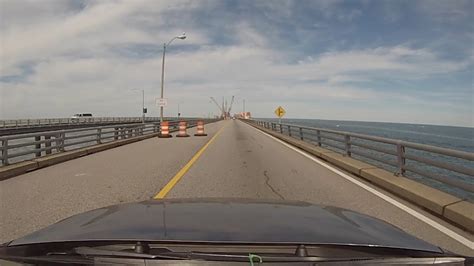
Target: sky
[(390, 61)]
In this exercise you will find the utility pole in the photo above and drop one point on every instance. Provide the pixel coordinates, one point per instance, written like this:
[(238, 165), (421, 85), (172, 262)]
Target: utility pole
[(143, 106), (179, 114)]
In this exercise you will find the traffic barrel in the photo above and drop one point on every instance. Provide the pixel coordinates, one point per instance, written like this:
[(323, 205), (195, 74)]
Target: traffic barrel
[(182, 129), (164, 130), (200, 129)]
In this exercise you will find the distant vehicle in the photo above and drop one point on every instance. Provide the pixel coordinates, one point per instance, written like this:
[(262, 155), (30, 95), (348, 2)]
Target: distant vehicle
[(223, 231), (76, 117)]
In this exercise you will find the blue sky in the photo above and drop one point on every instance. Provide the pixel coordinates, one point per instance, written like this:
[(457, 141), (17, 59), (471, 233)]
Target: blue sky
[(395, 61)]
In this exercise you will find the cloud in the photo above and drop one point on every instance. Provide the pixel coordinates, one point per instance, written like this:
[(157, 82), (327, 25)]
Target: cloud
[(87, 58)]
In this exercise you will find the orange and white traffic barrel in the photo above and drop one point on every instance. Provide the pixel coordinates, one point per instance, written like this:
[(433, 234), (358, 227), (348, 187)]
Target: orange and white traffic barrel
[(164, 130), (182, 129), (200, 129)]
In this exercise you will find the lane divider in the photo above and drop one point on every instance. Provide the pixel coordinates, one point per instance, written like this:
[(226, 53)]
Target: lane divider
[(452, 234), (166, 189)]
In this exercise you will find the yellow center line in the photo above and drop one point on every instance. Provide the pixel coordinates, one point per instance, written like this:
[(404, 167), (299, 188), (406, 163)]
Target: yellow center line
[(185, 169)]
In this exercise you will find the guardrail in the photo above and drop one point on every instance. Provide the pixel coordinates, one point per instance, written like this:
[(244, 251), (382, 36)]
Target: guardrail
[(12, 123), (26, 146), (401, 152)]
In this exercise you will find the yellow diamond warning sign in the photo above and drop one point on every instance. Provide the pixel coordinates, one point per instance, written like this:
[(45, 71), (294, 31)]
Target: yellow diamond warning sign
[(280, 112)]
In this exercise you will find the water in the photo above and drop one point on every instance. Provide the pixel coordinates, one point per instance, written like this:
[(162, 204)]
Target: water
[(457, 138)]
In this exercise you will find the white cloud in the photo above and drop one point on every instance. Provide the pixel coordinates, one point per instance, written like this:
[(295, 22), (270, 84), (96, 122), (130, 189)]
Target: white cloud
[(75, 68)]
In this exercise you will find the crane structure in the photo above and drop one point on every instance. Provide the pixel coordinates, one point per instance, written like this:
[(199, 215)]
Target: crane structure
[(230, 105), (221, 108), (224, 108)]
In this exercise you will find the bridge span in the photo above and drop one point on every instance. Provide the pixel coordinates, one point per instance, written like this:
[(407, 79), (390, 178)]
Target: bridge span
[(23, 126), (234, 160)]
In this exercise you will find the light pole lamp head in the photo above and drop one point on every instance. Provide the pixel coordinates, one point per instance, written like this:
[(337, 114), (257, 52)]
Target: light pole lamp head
[(182, 36)]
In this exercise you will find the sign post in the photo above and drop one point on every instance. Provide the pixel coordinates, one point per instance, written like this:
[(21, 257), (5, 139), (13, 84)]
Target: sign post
[(280, 112)]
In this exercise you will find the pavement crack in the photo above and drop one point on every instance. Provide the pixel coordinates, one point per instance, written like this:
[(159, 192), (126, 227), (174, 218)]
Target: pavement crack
[(267, 182)]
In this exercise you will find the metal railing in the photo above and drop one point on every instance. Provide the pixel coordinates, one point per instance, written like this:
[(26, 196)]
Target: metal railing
[(396, 154), (17, 148), (13, 123)]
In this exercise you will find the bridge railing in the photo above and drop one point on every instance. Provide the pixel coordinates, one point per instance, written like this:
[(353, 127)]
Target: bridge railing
[(403, 156), (17, 148), (12, 123)]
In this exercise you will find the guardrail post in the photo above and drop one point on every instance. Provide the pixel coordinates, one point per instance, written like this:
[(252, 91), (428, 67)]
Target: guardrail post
[(318, 135), (289, 131), (401, 159), (116, 133), (99, 135), (47, 144), (347, 142), (281, 129), (57, 137), (38, 146), (5, 152), (62, 137), (301, 133)]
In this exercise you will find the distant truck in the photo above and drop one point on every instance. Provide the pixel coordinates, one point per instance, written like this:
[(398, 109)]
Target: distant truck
[(76, 117)]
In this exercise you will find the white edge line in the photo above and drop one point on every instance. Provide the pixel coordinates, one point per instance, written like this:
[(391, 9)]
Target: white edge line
[(461, 239)]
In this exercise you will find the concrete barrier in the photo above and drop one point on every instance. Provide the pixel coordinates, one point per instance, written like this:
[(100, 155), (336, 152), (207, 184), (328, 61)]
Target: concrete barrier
[(17, 169), (59, 157), (444, 205), (462, 212)]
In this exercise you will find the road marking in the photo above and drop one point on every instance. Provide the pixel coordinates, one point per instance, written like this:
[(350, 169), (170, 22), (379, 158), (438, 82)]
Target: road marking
[(165, 190), (461, 239)]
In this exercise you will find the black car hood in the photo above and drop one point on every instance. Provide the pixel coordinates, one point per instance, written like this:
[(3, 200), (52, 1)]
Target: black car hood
[(227, 221)]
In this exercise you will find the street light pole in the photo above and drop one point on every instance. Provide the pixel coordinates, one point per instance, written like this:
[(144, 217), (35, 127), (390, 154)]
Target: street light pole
[(162, 80), (143, 106), (181, 37)]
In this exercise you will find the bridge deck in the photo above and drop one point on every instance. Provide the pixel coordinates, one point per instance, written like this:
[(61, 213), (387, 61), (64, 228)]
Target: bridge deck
[(240, 162)]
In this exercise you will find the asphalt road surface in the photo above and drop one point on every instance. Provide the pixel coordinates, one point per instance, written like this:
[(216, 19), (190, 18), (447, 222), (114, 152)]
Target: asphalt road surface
[(240, 162)]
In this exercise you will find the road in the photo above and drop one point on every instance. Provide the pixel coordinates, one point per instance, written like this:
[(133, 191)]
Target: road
[(239, 162)]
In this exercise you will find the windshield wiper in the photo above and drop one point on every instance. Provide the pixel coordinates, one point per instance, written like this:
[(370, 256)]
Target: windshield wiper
[(56, 258), (188, 255), (97, 252)]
